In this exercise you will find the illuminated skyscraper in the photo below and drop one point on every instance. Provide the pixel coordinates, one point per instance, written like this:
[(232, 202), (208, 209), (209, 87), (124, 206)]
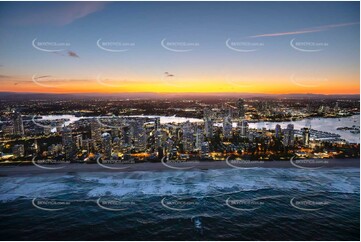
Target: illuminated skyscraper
[(106, 145), (138, 134), (199, 138), (208, 123), (289, 135), (68, 144), (243, 128), (18, 124), (205, 150), (188, 136), (306, 136), (227, 127), (79, 141)]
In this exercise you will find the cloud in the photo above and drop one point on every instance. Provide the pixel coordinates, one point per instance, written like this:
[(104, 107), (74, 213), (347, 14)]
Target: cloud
[(167, 74), (58, 14), (73, 54), (305, 31), (68, 53)]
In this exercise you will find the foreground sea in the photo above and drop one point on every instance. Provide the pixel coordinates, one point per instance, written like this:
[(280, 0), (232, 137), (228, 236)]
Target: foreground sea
[(210, 204)]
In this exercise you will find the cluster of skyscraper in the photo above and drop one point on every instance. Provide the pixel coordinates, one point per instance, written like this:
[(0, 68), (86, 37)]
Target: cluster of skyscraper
[(117, 137)]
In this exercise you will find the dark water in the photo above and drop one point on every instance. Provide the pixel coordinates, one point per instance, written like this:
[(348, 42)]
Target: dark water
[(225, 204)]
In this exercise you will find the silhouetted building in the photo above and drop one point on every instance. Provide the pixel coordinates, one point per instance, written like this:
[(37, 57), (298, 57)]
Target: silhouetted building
[(278, 131), (241, 109)]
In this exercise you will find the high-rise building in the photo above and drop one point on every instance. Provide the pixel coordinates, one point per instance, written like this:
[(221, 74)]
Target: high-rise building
[(243, 126), (79, 141), (278, 131), (199, 137), (306, 136), (241, 109), (188, 136), (138, 134), (157, 124), (208, 123), (157, 134), (106, 145), (68, 144), (96, 131), (18, 124), (35, 146), (208, 128), (126, 135), (289, 135), (227, 127)]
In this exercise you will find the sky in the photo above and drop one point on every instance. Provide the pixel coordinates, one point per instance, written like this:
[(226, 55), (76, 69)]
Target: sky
[(180, 47)]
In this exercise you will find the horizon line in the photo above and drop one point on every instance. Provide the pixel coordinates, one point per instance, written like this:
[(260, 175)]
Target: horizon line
[(177, 93)]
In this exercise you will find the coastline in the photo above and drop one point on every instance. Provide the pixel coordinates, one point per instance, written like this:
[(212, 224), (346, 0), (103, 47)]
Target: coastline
[(176, 166)]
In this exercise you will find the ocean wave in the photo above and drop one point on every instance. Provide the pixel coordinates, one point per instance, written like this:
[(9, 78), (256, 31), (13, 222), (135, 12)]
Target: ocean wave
[(210, 183)]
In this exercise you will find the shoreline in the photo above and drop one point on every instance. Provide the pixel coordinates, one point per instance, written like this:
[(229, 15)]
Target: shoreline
[(310, 165)]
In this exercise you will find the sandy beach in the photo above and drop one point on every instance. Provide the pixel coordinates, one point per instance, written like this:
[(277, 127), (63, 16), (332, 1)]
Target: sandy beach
[(32, 169)]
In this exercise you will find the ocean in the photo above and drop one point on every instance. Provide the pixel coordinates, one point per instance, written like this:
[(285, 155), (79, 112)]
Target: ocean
[(218, 204)]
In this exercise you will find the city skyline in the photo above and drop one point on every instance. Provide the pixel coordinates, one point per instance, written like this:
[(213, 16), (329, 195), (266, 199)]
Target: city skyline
[(180, 121), (240, 47)]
